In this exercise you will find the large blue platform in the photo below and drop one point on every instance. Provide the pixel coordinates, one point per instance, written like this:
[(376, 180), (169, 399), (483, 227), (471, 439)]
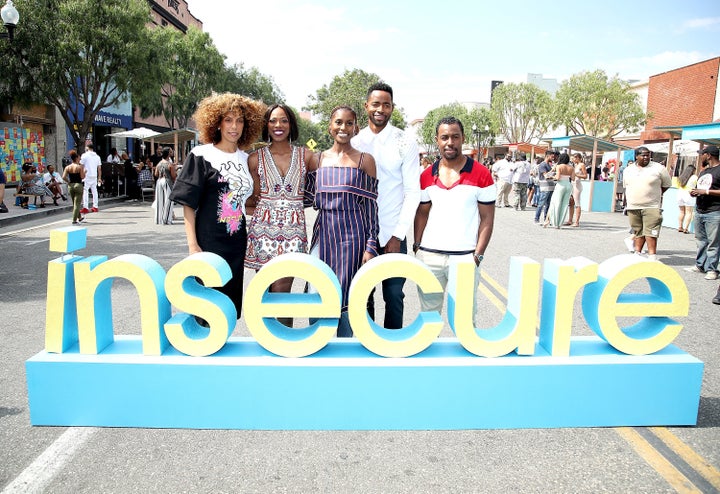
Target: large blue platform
[(344, 386)]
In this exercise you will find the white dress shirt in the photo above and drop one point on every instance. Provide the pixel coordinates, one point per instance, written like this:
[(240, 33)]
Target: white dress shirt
[(398, 173)]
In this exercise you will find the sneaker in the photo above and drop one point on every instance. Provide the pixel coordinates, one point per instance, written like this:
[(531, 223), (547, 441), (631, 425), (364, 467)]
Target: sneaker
[(652, 257), (693, 269), (716, 300), (94, 210), (84, 211), (711, 275), (81, 219), (3, 208), (630, 244)]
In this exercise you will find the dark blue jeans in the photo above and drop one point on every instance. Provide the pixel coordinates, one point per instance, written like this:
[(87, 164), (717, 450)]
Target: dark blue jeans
[(543, 203), (393, 296)]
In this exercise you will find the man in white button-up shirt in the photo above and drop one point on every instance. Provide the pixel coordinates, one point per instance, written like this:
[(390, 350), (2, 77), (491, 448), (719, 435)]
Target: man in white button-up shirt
[(398, 172)]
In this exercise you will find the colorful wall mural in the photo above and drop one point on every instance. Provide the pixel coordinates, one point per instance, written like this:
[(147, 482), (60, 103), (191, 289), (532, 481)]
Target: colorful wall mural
[(18, 146)]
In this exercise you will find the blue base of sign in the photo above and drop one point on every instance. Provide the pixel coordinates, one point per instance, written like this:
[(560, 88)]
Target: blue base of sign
[(344, 386)]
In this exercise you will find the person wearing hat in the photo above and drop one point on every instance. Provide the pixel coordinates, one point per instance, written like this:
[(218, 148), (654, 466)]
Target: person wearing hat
[(707, 214)]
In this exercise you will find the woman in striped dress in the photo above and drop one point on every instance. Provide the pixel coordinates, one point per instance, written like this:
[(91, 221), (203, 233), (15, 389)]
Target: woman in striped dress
[(346, 229)]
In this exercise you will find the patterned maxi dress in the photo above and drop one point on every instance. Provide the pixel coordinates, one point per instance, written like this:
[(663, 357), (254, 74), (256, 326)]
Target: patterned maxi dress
[(216, 185), (163, 188), (278, 224), (347, 221)]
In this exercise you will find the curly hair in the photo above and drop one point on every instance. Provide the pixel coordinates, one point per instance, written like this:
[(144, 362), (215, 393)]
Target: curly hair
[(212, 109)]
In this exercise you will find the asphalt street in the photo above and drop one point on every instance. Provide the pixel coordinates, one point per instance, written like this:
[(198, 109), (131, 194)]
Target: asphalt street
[(91, 460)]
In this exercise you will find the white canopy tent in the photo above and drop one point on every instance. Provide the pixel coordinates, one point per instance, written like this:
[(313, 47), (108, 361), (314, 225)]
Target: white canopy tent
[(683, 147), (139, 133)]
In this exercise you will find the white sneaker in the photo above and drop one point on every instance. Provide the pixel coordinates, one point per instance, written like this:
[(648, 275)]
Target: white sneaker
[(693, 269), (629, 244), (652, 257), (711, 275)]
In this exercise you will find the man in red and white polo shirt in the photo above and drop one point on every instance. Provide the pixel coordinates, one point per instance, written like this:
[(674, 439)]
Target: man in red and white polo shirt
[(454, 221)]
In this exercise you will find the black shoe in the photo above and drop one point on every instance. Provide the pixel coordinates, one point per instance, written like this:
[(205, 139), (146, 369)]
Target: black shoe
[(64, 197), (716, 300), (3, 208)]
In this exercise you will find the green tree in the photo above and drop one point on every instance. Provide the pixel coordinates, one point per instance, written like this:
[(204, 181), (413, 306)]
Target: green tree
[(349, 89), (593, 104), (189, 67), (523, 111), (310, 130), (79, 55), (480, 117), (251, 83)]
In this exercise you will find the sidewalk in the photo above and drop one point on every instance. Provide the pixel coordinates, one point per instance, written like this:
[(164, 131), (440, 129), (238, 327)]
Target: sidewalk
[(17, 215)]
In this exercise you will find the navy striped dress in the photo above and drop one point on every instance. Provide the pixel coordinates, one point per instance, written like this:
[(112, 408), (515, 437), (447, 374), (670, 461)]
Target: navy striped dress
[(347, 222)]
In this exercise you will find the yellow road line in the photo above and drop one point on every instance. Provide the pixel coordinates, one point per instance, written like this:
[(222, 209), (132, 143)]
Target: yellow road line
[(497, 286), (658, 462), (491, 297), (646, 451), (697, 462)]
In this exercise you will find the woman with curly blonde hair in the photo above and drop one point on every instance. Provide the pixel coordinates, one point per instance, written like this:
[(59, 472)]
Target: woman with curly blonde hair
[(215, 182)]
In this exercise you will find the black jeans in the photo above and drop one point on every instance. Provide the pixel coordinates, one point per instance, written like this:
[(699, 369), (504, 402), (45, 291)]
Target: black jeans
[(393, 296)]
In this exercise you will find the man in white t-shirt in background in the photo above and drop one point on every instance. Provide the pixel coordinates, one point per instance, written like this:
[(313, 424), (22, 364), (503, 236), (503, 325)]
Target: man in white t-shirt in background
[(502, 172), (93, 169), (520, 179), (645, 183)]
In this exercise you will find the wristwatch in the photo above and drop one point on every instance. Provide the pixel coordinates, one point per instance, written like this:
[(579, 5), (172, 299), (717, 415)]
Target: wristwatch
[(479, 258)]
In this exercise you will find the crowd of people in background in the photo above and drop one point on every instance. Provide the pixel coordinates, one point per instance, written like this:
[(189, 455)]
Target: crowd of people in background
[(246, 201)]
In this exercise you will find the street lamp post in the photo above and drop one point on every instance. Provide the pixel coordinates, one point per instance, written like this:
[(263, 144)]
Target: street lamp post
[(476, 135), (10, 18), (486, 140)]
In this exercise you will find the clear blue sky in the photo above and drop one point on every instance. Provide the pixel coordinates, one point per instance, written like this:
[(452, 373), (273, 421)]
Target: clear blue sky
[(433, 54)]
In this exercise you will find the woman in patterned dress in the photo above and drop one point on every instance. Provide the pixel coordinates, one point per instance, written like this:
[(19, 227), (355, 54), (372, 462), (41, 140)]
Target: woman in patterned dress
[(215, 183), (165, 172), (279, 172), (346, 229)]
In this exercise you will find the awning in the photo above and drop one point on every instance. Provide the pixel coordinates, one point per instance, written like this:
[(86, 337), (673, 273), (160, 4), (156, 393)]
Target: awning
[(175, 136), (584, 142), (708, 133), (526, 147)]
